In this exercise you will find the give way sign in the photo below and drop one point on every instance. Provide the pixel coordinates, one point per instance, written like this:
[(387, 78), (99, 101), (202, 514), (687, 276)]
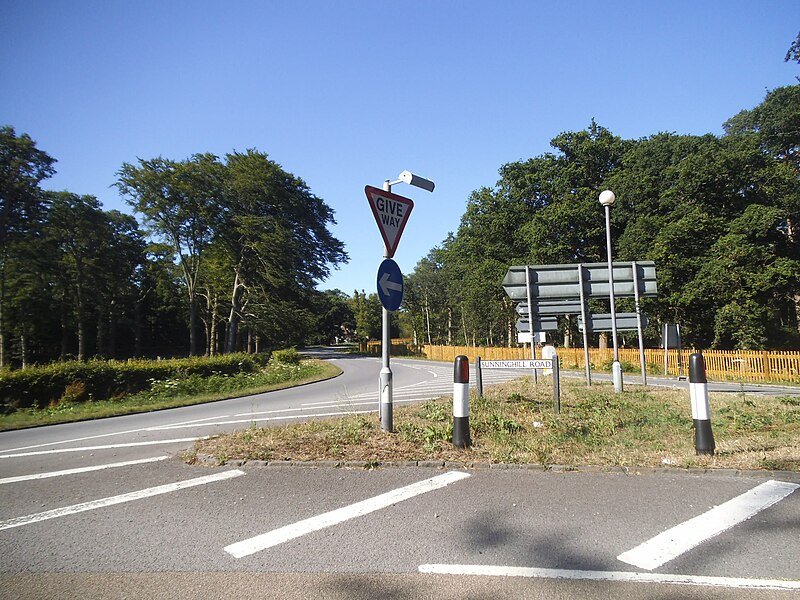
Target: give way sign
[(391, 213)]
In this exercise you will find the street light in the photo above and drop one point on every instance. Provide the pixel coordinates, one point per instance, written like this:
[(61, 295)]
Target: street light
[(385, 378), (607, 198)]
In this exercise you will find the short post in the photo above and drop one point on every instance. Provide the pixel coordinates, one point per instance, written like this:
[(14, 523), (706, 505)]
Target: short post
[(556, 384), (461, 403), (478, 376), (698, 391)]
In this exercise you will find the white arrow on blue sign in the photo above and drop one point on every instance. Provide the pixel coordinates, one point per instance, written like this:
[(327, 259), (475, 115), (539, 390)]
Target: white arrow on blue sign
[(390, 285)]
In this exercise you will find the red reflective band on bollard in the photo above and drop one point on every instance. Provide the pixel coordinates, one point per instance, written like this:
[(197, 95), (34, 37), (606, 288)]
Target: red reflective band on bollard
[(461, 372)]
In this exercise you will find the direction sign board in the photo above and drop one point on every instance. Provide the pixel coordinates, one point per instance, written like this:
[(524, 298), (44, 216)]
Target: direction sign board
[(391, 214), (562, 282), (625, 322), (564, 307), (390, 285), (539, 363), (539, 324)]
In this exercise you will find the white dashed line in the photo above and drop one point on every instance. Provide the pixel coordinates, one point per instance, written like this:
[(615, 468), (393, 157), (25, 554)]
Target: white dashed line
[(334, 517), (35, 476), (90, 448), (103, 502)]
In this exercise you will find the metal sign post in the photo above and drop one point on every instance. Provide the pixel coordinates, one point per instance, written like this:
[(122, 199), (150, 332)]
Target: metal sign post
[(391, 213)]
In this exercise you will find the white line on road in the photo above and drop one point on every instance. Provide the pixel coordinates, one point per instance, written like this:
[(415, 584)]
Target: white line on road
[(258, 419), (334, 517), (108, 447), (72, 440), (103, 502), (497, 571), (682, 538), (126, 463)]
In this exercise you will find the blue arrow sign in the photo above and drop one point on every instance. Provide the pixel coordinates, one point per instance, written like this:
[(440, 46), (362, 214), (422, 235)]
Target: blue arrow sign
[(390, 285)]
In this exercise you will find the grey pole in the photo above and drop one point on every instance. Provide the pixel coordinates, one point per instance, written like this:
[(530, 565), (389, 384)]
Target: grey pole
[(478, 376), (385, 379), (585, 317), (557, 384), (530, 318), (642, 359)]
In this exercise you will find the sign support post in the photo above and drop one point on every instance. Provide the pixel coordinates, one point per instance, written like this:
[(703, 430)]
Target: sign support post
[(530, 317), (385, 378), (642, 358), (585, 329), (391, 213)]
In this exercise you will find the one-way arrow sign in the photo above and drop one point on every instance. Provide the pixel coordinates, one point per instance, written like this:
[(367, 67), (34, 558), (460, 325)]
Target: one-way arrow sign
[(391, 214), (390, 285)]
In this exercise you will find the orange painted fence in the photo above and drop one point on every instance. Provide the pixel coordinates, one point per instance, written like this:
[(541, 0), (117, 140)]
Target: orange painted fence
[(720, 364)]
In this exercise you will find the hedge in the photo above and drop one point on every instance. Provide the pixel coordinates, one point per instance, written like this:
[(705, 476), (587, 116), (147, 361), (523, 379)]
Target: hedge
[(99, 380)]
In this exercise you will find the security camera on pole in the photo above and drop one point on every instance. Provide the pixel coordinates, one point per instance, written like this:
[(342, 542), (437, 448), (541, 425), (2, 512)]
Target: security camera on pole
[(391, 213), (607, 198)]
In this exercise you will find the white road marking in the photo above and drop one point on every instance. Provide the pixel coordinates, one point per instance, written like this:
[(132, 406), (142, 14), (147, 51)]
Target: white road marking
[(108, 447), (35, 476), (70, 441), (497, 571), (258, 419), (682, 538), (334, 517), (110, 501)]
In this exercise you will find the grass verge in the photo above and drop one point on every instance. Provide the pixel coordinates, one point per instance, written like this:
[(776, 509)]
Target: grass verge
[(515, 423), (176, 392)]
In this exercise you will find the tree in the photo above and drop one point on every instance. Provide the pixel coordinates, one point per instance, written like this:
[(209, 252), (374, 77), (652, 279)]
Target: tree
[(177, 200), (22, 168), (275, 235)]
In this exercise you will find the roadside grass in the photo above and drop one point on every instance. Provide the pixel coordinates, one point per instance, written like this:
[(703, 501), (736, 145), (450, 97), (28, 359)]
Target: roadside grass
[(175, 392), (515, 423)]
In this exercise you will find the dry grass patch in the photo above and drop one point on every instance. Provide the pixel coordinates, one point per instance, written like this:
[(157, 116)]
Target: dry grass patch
[(515, 423)]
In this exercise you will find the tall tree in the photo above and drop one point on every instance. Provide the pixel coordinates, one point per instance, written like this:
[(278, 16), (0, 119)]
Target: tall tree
[(22, 168), (178, 202)]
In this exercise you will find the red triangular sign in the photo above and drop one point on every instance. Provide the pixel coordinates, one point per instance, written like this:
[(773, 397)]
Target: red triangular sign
[(391, 213)]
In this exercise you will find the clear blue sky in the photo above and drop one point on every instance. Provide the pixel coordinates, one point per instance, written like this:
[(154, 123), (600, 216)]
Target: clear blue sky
[(345, 93)]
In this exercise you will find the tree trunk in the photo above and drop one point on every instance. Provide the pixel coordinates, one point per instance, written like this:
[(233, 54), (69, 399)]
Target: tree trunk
[(233, 319), (23, 344)]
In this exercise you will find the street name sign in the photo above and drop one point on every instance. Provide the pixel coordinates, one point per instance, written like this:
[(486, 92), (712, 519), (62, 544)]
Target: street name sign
[(390, 285), (391, 214), (624, 322), (563, 282), (541, 363)]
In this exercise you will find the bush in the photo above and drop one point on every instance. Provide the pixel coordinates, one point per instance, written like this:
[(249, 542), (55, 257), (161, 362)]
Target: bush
[(290, 356), (99, 380)]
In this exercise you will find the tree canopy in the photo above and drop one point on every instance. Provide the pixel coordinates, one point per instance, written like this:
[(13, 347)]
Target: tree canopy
[(717, 214)]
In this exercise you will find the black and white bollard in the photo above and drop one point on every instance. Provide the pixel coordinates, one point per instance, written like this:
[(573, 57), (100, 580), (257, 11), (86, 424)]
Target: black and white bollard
[(461, 403), (698, 390)]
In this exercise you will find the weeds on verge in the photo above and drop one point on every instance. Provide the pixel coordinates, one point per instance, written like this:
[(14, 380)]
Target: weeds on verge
[(514, 423)]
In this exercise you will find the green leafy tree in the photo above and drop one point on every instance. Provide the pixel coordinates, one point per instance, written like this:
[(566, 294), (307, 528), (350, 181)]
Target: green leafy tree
[(177, 201), (22, 168)]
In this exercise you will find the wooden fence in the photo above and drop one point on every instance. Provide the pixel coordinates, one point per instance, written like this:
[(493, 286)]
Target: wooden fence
[(757, 366)]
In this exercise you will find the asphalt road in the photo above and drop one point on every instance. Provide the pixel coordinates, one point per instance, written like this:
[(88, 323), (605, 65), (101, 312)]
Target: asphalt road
[(157, 528)]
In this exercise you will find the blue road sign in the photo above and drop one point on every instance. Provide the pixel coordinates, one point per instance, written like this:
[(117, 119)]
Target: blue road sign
[(390, 285)]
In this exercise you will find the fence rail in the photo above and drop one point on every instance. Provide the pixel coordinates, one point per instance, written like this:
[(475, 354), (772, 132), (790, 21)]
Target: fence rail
[(756, 366)]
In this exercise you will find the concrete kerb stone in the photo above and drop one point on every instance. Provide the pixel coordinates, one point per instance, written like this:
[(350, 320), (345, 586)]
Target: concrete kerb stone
[(213, 461)]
